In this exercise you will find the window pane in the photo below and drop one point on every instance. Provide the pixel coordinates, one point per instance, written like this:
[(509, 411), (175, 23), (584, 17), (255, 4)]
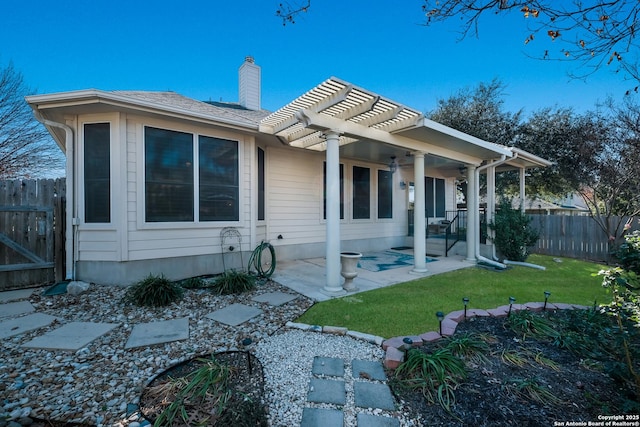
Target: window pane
[(361, 193), (385, 194), (440, 202), (324, 191), (168, 175), (260, 184), (219, 193), (97, 205)]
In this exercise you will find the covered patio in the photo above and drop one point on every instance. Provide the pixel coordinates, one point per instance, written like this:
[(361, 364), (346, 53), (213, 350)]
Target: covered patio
[(346, 121)]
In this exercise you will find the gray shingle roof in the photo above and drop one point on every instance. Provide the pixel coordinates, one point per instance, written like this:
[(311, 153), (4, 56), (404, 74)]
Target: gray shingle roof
[(221, 110)]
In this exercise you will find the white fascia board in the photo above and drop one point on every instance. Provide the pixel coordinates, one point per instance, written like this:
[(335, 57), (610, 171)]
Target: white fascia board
[(501, 150), (532, 158), (94, 96), (323, 122)]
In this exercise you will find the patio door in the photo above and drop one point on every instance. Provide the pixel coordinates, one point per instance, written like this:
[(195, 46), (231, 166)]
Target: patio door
[(434, 196)]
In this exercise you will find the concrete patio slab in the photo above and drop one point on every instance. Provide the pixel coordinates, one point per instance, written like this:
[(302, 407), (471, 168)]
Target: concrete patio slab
[(318, 417), (327, 391), (275, 298), (234, 314), (71, 337), (368, 369), (368, 420), (20, 325), (15, 308), (17, 294), (331, 366), (145, 334), (373, 395)]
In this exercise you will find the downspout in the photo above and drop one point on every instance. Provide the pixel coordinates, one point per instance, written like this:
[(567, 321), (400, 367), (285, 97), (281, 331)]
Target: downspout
[(70, 233), (476, 239)]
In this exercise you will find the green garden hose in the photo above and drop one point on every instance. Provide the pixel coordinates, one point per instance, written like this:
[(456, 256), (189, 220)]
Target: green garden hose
[(264, 264)]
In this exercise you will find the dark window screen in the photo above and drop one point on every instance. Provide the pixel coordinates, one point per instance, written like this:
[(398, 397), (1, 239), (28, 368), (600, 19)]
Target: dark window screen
[(385, 194), (361, 193), (97, 164), (219, 191)]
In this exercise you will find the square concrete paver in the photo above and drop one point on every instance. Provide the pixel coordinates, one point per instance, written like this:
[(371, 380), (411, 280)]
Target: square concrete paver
[(234, 314), (318, 417), (20, 325), (275, 298), (327, 391), (72, 336), (15, 308), (368, 420), (373, 395), (368, 369), (152, 333), (328, 366), (17, 294)]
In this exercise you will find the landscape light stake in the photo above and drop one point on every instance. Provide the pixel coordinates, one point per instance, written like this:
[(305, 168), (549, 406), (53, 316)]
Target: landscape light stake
[(440, 316), (408, 343), (246, 342), (465, 301), (511, 301), (546, 297)]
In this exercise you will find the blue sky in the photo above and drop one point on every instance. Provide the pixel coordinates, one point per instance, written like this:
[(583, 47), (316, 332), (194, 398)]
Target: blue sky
[(195, 48)]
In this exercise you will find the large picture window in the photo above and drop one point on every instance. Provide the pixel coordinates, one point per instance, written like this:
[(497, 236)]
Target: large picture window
[(170, 177), (385, 194), (97, 165), (361, 193)]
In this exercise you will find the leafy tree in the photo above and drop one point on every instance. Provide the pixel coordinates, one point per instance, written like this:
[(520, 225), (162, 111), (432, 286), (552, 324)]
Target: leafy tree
[(26, 149)]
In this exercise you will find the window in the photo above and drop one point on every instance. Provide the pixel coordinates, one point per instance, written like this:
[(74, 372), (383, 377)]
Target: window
[(170, 186), (324, 193), (97, 164), (260, 184), (218, 179), (361, 193), (385, 194)]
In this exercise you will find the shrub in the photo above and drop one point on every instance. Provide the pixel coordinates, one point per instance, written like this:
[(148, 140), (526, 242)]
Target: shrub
[(234, 282), (193, 283), (514, 234), (153, 291)]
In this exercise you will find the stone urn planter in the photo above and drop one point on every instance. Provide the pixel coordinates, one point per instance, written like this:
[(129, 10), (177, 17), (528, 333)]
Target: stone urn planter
[(349, 263)]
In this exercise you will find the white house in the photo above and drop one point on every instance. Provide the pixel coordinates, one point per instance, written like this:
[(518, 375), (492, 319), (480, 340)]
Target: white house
[(153, 177)]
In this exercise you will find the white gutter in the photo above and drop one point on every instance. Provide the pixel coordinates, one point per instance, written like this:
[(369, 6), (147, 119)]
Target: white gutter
[(476, 238), (70, 226)]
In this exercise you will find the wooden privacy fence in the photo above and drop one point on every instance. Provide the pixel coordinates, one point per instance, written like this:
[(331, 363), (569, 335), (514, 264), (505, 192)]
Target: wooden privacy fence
[(572, 237), (31, 232)]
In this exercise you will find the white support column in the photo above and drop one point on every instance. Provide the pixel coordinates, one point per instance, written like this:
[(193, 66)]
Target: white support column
[(522, 193), (419, 223), (472, 212), (333, 286)]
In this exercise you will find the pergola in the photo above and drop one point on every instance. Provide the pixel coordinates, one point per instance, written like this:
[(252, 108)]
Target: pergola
[(342, 119)]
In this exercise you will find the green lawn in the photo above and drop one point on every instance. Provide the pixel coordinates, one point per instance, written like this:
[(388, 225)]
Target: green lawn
[(409, 308)]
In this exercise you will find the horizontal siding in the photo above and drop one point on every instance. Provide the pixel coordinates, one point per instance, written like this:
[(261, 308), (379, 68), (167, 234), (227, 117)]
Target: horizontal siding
[(97, 245)]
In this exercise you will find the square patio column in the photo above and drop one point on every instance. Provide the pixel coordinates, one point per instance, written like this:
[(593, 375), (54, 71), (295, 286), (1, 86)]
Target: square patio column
[(419, 223), (333, 286)]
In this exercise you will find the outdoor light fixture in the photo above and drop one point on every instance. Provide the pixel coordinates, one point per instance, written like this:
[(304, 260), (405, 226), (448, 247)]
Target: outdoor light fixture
[(403, 185), (511, 301), (440, 316), (546, 297), (465, 301), (393, 165)]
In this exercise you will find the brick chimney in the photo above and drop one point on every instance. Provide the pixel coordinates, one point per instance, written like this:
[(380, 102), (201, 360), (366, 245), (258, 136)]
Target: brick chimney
[(249, 84)]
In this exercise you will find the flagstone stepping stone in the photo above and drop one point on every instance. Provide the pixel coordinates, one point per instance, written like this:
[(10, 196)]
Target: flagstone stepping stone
[(17, 294), (319, 417), (327, 391), (369, 369), (373, 395), (145, 334), (234, 314), (328, 366), (275, 298), (368, 420), (71, 337), (20, 325), (15, 308)]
